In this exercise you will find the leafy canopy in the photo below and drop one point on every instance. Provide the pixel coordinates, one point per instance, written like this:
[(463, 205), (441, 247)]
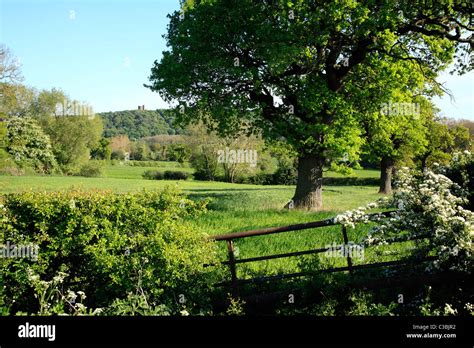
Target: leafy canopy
[(303, 70)]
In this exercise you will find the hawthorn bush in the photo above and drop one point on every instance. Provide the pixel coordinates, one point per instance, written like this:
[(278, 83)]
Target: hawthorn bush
[(429, 205)]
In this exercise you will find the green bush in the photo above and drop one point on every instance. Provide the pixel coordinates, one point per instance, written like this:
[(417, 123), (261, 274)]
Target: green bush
[(110, 245), (351, 181), (117, 155), (284, 176), (134, 163), (91, 169), (153, 175), (175, 175)]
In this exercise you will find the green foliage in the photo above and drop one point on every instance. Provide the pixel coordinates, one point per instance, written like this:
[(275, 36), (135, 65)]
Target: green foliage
[(17, 100), (29, 145), (285, 176), (299, 59), (103, 151), (53, 299), (175, 175), (167, 175), (8, 165), (152, 164), (439, 142), (138, 124), (153, 175), (136, 304), (179, 153), (139, 151), (110, 245), (205, 165), (236, 307), (118, 155), (91, 169), (460, 171), (72, 138), (363, 304)]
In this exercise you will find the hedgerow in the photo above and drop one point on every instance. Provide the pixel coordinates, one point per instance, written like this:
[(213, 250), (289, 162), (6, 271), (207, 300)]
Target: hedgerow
[(110, 246)]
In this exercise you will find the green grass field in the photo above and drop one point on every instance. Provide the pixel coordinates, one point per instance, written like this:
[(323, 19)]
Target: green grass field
[(234, 207)]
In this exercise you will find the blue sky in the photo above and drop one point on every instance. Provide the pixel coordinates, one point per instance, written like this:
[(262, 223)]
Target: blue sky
[(101, 51)]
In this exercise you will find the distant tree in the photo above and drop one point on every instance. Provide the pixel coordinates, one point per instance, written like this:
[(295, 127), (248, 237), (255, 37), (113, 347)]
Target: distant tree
[(203, 158), (118, 155), (140, 151), (103, 151), (120, 142), (17, 100), (10, 68), (52, 102), (210, 155), (396, 136), (461, 138), (439, 140), (179, 152), (72, 138), (137, 124), (443, 139)]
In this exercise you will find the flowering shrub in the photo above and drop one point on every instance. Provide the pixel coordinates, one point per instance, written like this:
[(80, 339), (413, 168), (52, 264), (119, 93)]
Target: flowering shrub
[(29, 146), (427, 206)]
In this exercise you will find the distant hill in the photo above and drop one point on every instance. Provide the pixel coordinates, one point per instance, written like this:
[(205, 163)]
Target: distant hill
[(139, 123)]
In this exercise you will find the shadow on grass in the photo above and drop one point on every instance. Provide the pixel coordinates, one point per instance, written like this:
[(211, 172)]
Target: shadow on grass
[(273, 188)]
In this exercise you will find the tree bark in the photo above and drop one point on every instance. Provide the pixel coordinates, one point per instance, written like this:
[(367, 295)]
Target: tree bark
[(309, 185), (386, 172), (424, 160)]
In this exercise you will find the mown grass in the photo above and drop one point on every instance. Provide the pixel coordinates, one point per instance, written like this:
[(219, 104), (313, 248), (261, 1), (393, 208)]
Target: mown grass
[(236, 207)]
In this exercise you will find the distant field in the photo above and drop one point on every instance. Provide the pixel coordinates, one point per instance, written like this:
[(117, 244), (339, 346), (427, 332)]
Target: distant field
[(124, 178), (131, 172)]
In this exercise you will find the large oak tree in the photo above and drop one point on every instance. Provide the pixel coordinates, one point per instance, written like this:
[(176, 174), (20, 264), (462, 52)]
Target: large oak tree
[(303, 70)]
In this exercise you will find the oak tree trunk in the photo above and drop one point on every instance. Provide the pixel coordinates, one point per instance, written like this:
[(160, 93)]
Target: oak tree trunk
[(386, 173), (309, 185)]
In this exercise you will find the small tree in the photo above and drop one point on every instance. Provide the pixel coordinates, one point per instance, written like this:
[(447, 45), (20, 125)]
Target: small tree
[(103, 151)]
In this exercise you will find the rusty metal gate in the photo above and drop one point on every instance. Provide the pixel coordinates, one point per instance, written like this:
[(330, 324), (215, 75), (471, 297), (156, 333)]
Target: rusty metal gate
[(232, 261)]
